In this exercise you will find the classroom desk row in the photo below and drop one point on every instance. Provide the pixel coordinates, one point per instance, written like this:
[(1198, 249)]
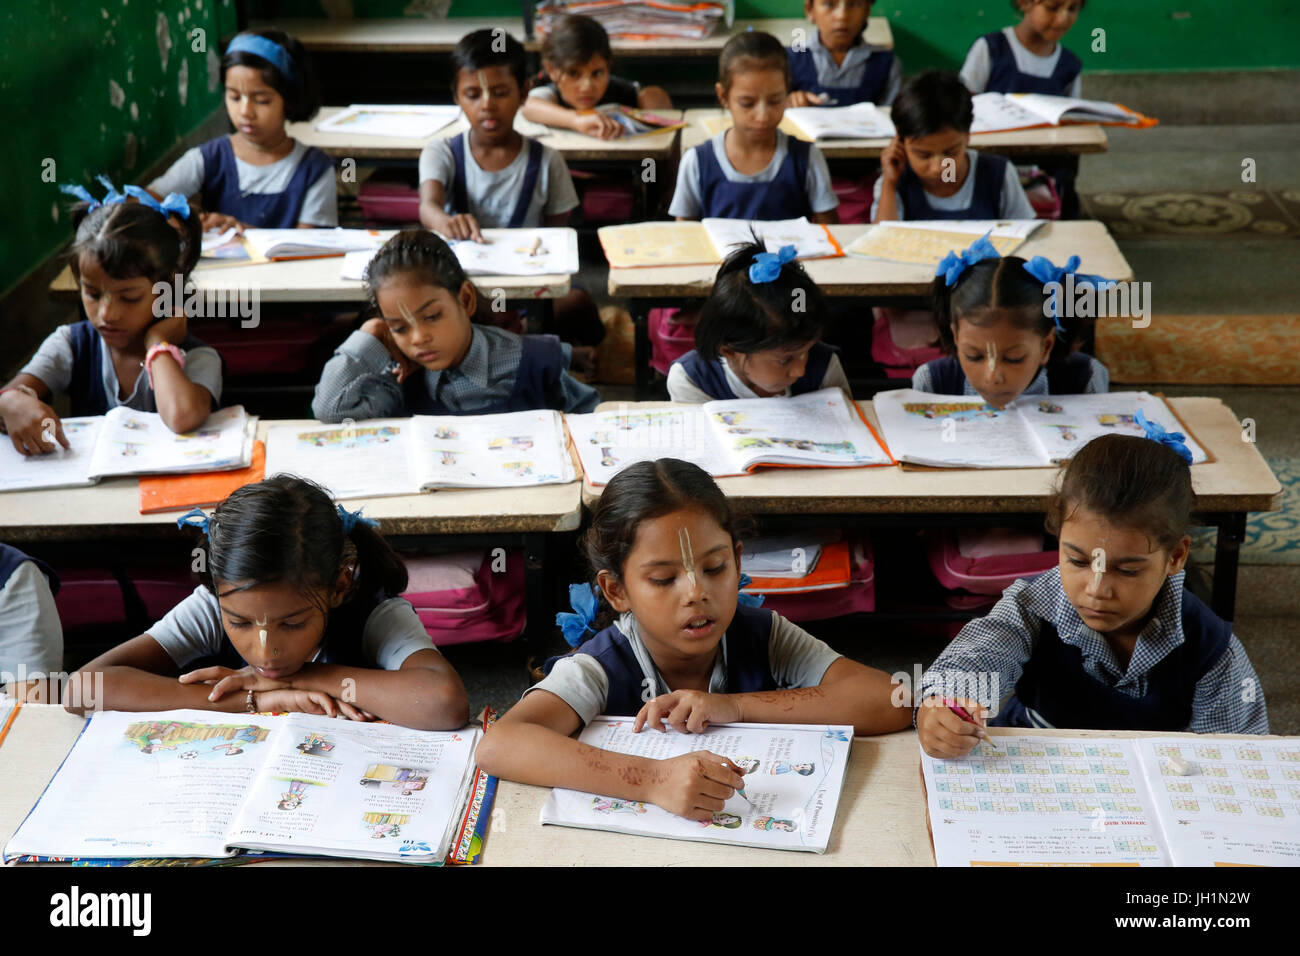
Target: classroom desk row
[(398, 36), (881, 819)]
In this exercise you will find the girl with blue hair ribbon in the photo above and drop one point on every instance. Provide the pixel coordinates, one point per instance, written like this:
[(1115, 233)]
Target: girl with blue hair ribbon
[(131, 350), (299, 610), (259, 175)]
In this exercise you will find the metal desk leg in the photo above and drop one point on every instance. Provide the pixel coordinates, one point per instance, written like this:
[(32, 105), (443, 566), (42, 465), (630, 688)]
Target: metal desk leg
[(640, 310), (1227, 547)]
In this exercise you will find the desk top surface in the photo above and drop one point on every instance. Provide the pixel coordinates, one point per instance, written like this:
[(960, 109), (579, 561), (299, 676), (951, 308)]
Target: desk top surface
[(881, 819), (1238, 480), (111, 508), (1074, 138), (854, 276)]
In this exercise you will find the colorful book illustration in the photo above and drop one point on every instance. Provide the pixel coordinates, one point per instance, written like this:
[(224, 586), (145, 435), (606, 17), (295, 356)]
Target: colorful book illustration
[(995, 112), (819, 429), (1034, 431), (638, 122), (507, 252), (859, 121), (925, 242), (708, 242), (401, 122), (127, 442), (189, 783), (407, 456), (1117, 801), (793, 777)]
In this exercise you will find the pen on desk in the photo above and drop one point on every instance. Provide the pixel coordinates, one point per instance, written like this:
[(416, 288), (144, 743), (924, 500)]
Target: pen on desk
[(731, 765), (537, 246), (961, 712)]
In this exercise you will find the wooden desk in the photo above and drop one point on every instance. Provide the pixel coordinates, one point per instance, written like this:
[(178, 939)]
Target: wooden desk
[(574, 147), (1073, 139), (1239, 481), (318, 281), (400, 35), (881, 819)]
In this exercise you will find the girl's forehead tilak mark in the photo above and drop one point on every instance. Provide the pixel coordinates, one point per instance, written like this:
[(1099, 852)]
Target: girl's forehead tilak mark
[(688, 554)]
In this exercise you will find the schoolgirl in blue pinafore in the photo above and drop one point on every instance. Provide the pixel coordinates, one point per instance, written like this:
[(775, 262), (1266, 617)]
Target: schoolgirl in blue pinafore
[(11, 559), (282, 210), (785, 197), (870, 89), (1070, 377), (86, 390), (986, 195), (460, 193), (711, 377)]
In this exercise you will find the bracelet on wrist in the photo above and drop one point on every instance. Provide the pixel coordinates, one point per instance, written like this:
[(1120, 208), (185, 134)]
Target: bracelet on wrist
[(159, 349)]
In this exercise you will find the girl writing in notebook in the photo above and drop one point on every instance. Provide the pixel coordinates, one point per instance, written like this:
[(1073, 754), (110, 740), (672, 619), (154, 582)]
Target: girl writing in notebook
[(754, 170), (298, 611), (1005, 333), (423, 355), (259, 175), (681, 653), (1111, 639), (751, 340), (131, 349)]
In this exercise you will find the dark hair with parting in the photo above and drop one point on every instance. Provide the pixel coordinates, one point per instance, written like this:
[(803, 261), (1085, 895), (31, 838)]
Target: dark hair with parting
[(644, 491), (286, 528), (753, 316), (932, 101), (575, 40), (301, 90), (418, 251), (489, 47), (752, 50), (1132, 482), (130, 239), (997, 290)]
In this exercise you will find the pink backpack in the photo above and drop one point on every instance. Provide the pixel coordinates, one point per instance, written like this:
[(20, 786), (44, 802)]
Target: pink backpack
[(459, 598), (389, 201), (93, 598), (669, 339), (860, 595), (1041, 192), (855, 197), (898, 337), (985, 561)]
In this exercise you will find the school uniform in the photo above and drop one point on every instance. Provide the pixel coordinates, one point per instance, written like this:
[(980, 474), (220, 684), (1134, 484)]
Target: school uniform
[(298, 188), (535, 184), (501, 372), (796, 182), (618, 90), (73, 359), (370, 630), (31, 635), (695, 379), (613, 672), (1079, 374), (991, 190), (867, 75), (1187, 673)]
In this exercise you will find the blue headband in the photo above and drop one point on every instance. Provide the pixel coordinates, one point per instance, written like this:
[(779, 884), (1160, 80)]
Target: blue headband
[(174, 203), (1156, 432), (954, 264), (194, 518), (1042, 269), (350, 519), (767, 265), (268, 50)]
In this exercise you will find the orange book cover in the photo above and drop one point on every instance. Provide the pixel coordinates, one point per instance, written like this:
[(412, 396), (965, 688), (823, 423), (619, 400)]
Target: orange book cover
[(181, 492)]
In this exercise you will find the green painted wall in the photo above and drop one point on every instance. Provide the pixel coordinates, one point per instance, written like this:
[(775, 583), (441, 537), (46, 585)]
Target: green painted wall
[(83, 84)]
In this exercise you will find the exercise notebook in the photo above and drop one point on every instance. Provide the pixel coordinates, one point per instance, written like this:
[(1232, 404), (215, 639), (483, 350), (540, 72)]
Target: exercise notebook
[(708, 242), (1004, 111), (1117, 801), (191, 783), (127, 442), (313, 243), (507, 252), (403, 122), (859, 121), (793, 777), (1034, 431), (160, 493), (406, 456), (818, 429), (926, 242)]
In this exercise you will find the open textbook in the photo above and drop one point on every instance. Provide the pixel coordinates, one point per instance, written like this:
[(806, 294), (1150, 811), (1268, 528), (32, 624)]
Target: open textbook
[(405, 456), (402, 122), (507, 252), (925, 242), (793, 777), (638, 122), (313, 243), (818, 429), (708, 242), (1003, 111), (127, 442), (191, 783), (1034, 431), (859, 121), (1135, 801)]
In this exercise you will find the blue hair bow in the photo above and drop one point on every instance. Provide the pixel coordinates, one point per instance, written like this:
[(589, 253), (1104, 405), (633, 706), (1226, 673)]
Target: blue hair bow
[(174, 203), (268, 50), (111, 195), (767, 265), (954, 264), (194, 518), (583, 600), (1043, 269), (1156, 432), (350, 519), (748, 600)]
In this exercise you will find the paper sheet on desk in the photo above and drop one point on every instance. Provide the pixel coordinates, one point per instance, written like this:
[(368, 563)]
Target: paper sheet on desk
[(923, 242)]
